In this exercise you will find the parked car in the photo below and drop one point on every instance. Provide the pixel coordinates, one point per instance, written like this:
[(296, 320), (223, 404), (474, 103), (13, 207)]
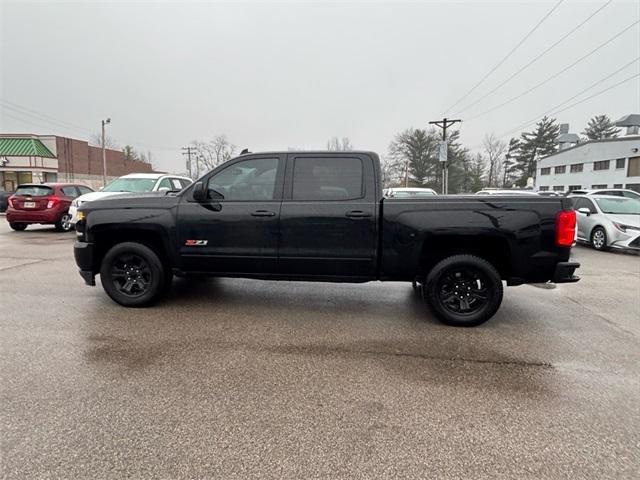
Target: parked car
[(133, 183), (406, 192), (548, 193), (506, 191), (46, 203), (618, 192), (4, 200), (321, 216), (607, 221)]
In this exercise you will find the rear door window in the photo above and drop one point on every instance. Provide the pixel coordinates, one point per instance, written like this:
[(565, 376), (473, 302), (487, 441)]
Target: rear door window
[(84, 189), (69, 191), (332, 178), (34, 190)]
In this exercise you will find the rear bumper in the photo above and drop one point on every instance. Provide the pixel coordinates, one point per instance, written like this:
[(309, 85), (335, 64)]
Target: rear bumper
[(34, 216), (83, 253), (564, 272)]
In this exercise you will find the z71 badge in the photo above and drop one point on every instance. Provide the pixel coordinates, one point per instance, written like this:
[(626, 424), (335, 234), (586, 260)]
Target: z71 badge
[(196, 243)]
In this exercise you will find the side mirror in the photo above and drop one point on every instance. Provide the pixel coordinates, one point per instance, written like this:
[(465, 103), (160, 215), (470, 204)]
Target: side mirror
[(584, 211), (199, 192), (164, 189)]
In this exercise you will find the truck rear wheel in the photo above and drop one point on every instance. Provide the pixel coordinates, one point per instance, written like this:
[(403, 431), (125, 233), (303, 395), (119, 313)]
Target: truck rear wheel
[(133, 275), (464, 290)]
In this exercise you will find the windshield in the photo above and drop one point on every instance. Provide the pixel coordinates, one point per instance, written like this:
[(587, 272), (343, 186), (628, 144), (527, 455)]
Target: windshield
[(620, 206), (34, 190), (135, 185)]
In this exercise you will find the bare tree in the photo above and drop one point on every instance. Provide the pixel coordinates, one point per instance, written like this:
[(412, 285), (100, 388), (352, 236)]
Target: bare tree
[(494, 149), (336, 144), (392, 172), (209, 155), (109, 142)]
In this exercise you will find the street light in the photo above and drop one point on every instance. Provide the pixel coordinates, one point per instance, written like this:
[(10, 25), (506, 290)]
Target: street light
[(104, 156)]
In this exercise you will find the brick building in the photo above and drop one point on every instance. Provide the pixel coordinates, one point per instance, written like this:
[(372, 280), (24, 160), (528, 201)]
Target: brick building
[(26, 158)]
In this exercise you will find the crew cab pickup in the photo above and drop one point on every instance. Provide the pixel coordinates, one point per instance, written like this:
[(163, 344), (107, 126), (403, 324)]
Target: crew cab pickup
[(321, 216)]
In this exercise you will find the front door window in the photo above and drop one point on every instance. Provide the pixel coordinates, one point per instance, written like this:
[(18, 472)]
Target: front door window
[(250, 180)]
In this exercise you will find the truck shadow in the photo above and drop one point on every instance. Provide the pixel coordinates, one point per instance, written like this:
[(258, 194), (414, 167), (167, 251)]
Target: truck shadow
[(386, 325)]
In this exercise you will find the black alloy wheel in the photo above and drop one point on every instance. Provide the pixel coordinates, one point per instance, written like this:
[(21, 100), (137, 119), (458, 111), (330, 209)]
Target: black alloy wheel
[(133, 275), (464, 290)]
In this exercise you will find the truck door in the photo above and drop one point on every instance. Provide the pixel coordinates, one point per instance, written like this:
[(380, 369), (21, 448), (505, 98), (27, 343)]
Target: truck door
[(236, 229), (328, 219)]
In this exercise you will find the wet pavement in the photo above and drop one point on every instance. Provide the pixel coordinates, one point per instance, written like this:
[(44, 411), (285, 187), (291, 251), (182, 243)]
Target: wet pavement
[(232, 378)]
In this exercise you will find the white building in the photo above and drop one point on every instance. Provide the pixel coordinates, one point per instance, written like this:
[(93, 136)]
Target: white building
[(607, 163)]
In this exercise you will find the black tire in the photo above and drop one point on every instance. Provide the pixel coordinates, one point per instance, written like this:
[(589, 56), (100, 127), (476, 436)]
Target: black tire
[(599, 239), (133, 275), (464, 290), (64, 224), (18, 227)]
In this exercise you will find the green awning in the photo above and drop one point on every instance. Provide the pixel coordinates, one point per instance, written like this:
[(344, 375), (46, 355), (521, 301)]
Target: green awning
[(23, 147)]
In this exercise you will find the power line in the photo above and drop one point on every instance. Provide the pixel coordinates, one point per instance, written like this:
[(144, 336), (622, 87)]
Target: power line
[(57, 123), (554, 109), (511, 52), (27, 111), (555, 74), (555, 112), (518, 72)]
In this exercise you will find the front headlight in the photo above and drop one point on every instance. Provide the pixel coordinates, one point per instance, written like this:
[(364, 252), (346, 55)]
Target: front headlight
[(623, 228)]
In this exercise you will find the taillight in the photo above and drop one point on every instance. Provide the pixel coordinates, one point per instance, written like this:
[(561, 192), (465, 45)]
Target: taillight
[(52, 202), (566, 228), (11, 202)]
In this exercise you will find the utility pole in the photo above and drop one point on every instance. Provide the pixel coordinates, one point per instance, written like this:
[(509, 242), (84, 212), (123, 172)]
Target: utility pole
[(444, 124), (104, 155), (406, 174), (187, 152)]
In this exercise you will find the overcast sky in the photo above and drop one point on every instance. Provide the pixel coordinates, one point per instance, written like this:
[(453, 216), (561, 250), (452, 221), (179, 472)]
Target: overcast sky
[(279, 75)]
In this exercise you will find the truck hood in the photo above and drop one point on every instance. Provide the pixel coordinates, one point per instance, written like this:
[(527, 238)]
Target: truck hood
[(132, 200), (90, 197)]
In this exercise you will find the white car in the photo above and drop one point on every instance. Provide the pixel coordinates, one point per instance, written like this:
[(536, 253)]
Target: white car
[(608, 221), (132, 183), (506, 191), (617, 192), (408, 192)]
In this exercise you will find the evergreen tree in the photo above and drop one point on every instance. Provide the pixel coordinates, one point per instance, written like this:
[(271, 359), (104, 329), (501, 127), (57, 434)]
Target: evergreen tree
[(538, 143), (599, 127), (477, 173), (417, 150), (509, 164), (459, 160)]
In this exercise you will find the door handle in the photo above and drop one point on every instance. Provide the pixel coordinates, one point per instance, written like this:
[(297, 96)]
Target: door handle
[(357, 214), (263, 213)]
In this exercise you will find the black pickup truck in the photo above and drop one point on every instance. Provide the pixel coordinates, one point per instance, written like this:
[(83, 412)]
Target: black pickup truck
[(321, 216)]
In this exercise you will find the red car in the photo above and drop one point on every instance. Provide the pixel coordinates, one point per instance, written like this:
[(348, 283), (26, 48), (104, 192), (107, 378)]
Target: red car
[(46, 203)]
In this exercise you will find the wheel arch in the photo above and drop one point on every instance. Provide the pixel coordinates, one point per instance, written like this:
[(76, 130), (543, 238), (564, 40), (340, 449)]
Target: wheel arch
[(108, 236), (494, 249)]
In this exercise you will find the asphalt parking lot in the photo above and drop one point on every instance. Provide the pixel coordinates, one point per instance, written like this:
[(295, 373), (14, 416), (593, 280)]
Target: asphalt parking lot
[(249, 379)]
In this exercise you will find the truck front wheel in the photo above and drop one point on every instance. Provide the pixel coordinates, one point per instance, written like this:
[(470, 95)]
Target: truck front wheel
[(464, 290), (133, 275)]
